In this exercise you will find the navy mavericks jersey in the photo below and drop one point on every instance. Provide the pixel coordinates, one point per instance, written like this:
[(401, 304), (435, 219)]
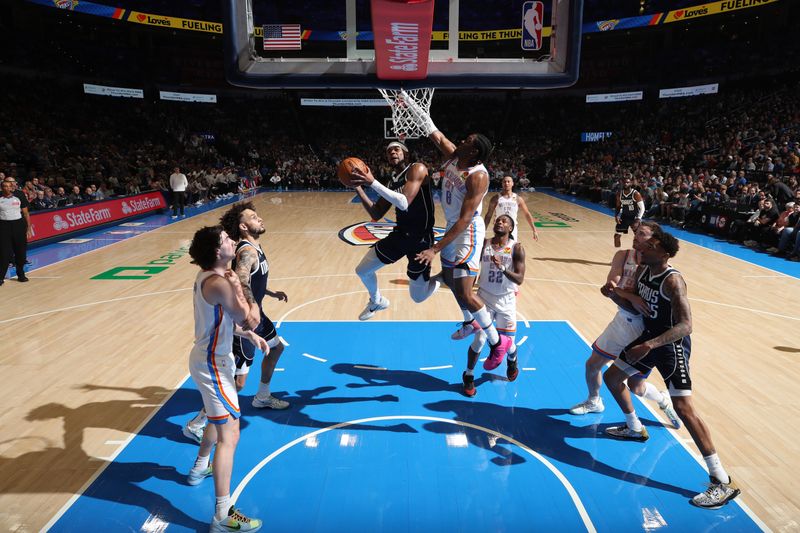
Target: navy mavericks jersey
[(650, 289), (259, 275), (627, 205)]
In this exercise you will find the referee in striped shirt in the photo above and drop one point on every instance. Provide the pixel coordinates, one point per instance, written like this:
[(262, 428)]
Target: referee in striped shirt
[(15, 228)]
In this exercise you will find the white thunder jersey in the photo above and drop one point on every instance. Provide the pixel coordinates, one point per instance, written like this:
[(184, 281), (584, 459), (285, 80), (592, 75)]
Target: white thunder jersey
[(508, 206), (454, 189), (492, 279), (213, 328), (628, 279)]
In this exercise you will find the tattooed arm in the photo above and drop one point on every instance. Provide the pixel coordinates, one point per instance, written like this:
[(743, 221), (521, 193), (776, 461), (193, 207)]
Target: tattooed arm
[(246, 260)]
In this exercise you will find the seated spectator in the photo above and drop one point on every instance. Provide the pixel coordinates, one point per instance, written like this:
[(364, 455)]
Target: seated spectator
[(75, 196)]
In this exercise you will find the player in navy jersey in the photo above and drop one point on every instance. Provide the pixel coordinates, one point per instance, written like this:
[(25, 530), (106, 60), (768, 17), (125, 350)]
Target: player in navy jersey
[(409, 191), (629, 210), (666, 345)]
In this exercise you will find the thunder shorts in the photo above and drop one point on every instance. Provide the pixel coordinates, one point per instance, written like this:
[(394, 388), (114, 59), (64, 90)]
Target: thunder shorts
[(213, 375), (623, 329), (503, 310), (463, 254)]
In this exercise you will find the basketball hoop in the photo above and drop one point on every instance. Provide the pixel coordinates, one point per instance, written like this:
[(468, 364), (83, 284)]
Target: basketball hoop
[(408, 122)]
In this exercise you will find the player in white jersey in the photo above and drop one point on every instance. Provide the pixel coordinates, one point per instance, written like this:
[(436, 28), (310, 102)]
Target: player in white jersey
[(219, 308), (625, 327), (465, 182), (509, 203), (502, 272)]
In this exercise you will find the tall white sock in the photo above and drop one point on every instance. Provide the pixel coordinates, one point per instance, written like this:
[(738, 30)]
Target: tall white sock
[(467, 315), (652, 393), (223, 504), (512, 351), (715, 468), (633, 421), (366, 271), (484, 320), (201, 463), (263, 389)]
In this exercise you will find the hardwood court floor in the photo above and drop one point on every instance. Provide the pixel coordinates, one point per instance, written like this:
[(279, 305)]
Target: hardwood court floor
[(75, 347)]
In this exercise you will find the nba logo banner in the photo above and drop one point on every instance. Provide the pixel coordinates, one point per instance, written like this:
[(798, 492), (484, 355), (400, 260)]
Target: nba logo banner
[(532, 22)]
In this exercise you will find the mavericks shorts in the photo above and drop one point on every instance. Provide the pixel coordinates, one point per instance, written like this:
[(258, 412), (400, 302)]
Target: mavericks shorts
[(671, 360), (244, 351), (398, 244)]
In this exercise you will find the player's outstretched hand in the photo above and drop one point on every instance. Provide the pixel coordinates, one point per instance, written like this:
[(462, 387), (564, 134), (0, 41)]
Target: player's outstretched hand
[(426, 256), (358, 177), (608, 289), (636, 353)]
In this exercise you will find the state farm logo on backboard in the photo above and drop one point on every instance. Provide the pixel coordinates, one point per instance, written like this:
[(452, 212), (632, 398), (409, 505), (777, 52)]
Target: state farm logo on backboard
[(368, 233)]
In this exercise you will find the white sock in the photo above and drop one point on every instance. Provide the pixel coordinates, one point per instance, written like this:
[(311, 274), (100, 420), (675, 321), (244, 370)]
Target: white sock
[(467, 315), (223, 504), (652, 393), (715, 468), (594, 400), (484, 320), (201, 463), (263, 389), (199, 420), (633, 422), (469, 371), (512, 351)]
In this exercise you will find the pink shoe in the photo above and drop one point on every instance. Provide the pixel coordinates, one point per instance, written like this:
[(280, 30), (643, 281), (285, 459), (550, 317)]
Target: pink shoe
[(498, 352), (466, 329)]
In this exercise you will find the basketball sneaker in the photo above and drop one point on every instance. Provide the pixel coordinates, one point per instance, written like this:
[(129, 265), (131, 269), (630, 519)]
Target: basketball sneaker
[(373, 307), (469, 384), (512, 371), (625, 433), (588, 406), (716, 495), (499, 351), (464, 330), (193, 433), (669, 411), (235, 521), (197, 475), (270, 402), (617, 240)]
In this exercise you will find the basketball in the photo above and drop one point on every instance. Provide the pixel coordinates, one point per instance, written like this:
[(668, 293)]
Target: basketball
[(345, 169)]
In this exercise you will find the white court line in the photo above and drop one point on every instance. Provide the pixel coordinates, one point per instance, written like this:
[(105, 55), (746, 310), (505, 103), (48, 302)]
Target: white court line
[(279, 369), (573, 494), (112, 442), (522, 341), (744, 308), (524, 320), (781, 276), (365, 367), (71, 307), (683, 442), (110, 459), (442, 367), (529, 368), (290, 311), (314, 357)]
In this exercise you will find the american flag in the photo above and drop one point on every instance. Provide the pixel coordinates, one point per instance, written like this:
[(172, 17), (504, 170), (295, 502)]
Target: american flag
[(281, 36)]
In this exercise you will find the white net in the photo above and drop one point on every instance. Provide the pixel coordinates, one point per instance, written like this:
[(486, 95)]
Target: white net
[(410, 110)]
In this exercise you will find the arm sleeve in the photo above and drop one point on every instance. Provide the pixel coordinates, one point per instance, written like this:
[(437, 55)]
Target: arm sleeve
[(639, 209), (395, 198)]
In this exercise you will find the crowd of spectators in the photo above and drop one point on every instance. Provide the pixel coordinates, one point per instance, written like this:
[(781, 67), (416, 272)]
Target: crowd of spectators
[(735, 152)]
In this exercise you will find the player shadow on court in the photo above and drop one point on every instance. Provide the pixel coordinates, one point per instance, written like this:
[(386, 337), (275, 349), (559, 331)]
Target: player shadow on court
[(66, 469), (539, 430), (572, 260), (295, 415), (409, 379), (787, 349), (184, 401)]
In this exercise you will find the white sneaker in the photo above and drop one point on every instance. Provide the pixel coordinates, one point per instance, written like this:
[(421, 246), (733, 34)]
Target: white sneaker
[(373, 307), (588, 406), (174, 217), (465, 330), (193, 433), (196, 476), (669, 411), (270, 402)]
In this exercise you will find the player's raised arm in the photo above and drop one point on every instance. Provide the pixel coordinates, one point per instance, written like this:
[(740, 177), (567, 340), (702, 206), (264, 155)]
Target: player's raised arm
[(424, 121)]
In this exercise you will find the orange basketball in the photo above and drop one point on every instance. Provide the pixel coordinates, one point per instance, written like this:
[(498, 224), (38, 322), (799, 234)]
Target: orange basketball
[(345, 169)]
